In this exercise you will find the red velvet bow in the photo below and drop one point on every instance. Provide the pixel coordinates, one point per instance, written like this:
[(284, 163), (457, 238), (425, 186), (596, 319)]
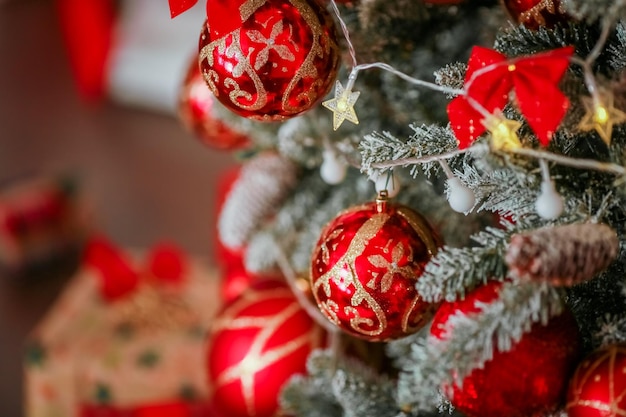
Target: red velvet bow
[(535, 82), (118, 278)]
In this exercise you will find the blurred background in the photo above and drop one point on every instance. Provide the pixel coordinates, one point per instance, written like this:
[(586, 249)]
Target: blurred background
[(142, 176)]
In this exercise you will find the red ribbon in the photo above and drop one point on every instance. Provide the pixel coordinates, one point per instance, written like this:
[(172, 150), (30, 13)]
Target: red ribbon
[(165, 263), (535, 81), (178, 7)]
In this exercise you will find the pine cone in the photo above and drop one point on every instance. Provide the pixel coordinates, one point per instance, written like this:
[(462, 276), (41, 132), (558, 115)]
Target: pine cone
[(562, 255), (264, 182)]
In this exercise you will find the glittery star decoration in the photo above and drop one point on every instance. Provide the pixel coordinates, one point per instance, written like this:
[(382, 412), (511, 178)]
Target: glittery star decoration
[(503, 132), (342, 105), (601, 115)]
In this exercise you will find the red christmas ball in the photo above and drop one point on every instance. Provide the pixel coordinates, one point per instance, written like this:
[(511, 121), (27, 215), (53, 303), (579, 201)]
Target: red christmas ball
[(269, 59), (528, 380), (196, 109), (536, 13), (598, 388), (365, 266), (258, 342)]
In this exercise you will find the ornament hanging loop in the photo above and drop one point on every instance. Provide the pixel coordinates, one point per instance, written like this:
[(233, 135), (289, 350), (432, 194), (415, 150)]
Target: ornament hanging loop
[(381, 201)]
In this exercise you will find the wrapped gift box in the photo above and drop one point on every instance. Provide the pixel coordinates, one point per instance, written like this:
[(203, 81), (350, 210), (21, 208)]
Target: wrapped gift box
[(125, 338)]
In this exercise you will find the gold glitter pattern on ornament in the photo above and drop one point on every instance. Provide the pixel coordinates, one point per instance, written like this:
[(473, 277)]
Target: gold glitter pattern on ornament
[(249, 7), (243, 67), (391, 267), (534, 14), (423, 229), (419, 225), (307, 69), (596, 370), (322, 47), (270, 45), (257, 358), (337, 274)]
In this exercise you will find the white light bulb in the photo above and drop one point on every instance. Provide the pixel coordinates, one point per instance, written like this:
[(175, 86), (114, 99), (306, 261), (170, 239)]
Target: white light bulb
[(460, 197), (389, 182), (549, 204), (333, 170)]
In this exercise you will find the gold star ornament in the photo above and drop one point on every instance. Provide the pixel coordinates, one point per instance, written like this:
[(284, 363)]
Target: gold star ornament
[(503, 132), (601, 115), (342, 105)]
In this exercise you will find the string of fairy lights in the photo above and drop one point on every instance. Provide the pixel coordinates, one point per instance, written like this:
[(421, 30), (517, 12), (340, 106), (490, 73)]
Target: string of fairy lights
[(601, 116)]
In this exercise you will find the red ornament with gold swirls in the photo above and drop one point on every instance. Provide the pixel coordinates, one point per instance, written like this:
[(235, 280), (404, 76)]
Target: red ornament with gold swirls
[(598, 388), (196, 107), (528, 380), (268, 59), (365, 266), (258, 342), (536, 13)]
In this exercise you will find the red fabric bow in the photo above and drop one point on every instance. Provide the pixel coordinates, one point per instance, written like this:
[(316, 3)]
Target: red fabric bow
[(535, 82), (180, 6), (118, 278)]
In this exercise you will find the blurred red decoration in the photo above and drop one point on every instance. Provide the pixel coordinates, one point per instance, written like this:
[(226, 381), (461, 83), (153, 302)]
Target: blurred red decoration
[(531, 77), (365, 266), (528, 380), (258, 342), (196, 107), (536, 13), (87, 28), (118, 278), (268, 60), (598, 388), (236, 279), (42, 221)]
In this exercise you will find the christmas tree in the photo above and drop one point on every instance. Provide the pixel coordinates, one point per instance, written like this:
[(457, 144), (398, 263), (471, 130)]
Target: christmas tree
[(500, 124)]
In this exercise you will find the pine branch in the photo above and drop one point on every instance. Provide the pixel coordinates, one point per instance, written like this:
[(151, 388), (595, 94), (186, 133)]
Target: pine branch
[(432, 140), (452, 76), (472, 342), (362, 392), (517, 41), (594, 10), (382, 147), (357, 189), (600, 303), (454, 271), (501, 190), (287, 224), (426, 140), (611, 330), (306, 398), (339, 387)]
